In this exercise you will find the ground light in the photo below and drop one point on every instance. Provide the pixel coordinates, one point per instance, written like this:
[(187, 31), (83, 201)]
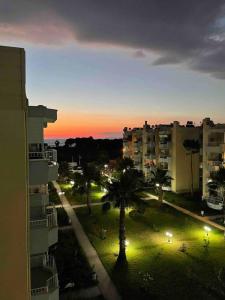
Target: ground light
[(72, 182), (127, 243), (207, 230), (169, 237)]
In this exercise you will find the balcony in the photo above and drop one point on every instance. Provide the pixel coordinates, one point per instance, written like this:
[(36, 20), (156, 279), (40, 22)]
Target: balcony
[(164, 145), (43, 167), (44, 278), (44, 231)]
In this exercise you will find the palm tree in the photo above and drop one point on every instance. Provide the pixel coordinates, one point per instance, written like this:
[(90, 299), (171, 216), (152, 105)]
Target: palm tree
[(217, 184), (192, 147), (160, 179), (64, 170), (123, 192), (57, 143), (82, 182)]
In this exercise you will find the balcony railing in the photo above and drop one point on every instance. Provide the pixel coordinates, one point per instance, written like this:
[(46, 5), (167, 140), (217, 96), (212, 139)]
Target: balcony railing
[(50, 155), (50, 220), (51, 284), (46, 262)]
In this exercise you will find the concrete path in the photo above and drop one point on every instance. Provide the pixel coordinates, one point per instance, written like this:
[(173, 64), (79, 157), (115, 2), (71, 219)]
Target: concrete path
[(189, 213), (106, 285), (75, 205), (89, 293)]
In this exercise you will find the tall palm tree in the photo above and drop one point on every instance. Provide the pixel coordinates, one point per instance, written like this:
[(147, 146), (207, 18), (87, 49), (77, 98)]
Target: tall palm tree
[(217, 184), (82, 182), (160, 179), (123, 192), (192, 147)]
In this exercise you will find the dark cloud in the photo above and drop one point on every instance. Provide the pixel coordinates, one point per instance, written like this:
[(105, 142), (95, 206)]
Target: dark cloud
[(177, 31)]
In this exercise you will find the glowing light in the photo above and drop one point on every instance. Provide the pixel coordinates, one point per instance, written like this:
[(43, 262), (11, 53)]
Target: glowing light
[(72, 182), (169, 234), (127, 243), (105, 166), (169, 237), (207, 229), (157, 184)]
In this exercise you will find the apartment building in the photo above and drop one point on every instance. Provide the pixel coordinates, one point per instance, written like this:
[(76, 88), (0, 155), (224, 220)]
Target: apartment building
[(43, 168), (213, 157), (14, 212), (162, 146), (27, 226)]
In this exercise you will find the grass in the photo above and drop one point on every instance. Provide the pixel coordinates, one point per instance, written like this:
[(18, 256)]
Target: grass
[(63, 219), (157, 269), (194, 204), (96, 194), (71, 263), (53, 195)]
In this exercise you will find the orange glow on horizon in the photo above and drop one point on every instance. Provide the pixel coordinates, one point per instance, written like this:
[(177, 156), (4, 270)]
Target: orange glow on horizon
[(85, 124)]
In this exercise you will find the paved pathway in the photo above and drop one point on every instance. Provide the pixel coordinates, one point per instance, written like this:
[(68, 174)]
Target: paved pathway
[(88, 293), (75, 205), (106, 285), (189, 213)]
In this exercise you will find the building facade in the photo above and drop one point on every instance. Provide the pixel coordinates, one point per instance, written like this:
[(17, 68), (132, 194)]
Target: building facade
[(43, 168), (161, 146), (213, 158), (28, 225)]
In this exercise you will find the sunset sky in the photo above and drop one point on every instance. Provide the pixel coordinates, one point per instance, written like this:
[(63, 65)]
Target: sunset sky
[(108, 64)]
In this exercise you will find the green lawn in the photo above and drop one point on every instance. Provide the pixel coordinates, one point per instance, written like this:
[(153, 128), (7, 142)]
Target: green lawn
[(53, 195), (194, 204), (72, 265), (157, 269), (96, 194)]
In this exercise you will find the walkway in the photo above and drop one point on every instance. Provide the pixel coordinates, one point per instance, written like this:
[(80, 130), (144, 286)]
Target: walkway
[(189, 213), (106, 285), (88, 293), (75, 205)]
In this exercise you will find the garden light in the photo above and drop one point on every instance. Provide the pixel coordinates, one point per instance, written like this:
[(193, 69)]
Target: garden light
[(127, 243), (157, 184), (169, 236), (207, 230), (72, 182)]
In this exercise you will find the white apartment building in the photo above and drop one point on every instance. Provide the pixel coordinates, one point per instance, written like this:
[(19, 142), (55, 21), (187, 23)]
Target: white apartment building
[(161, 146), (213, 157), (43, 168)]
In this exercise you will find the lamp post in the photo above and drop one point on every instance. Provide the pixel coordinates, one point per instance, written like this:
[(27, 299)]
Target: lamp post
[(207, 230)]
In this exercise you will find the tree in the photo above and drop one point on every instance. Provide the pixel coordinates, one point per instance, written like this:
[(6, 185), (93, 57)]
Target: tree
[(192, 147), (123, 192), (124, 163), (64, 170), (82, 182), (217, 184), (57, 143), (160, 179)]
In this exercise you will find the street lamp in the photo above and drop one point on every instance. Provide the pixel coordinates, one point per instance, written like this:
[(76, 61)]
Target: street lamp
[(169, 237)]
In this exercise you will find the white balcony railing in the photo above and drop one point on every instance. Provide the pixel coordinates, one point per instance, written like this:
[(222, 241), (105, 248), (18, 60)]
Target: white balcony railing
[(50, 155), (51, 284), (50, 220), (46, 262)]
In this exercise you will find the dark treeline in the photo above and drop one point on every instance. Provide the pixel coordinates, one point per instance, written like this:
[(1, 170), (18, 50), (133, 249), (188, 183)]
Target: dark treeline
[(89, 150)]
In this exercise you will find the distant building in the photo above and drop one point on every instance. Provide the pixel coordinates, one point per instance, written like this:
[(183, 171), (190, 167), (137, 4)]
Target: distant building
[(213, 157), (161, 146)]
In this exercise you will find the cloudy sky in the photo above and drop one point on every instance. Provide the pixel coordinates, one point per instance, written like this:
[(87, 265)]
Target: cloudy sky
[(106, 64)]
